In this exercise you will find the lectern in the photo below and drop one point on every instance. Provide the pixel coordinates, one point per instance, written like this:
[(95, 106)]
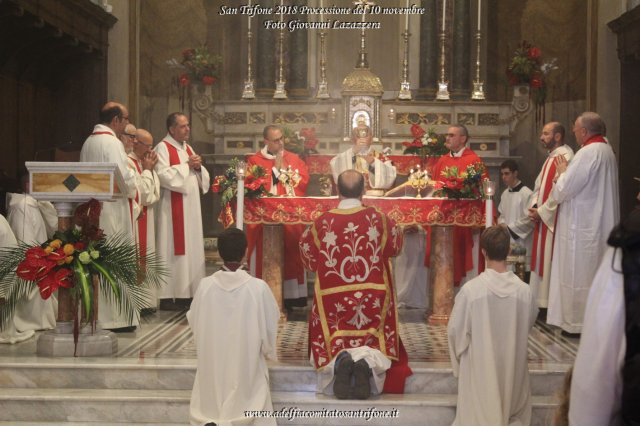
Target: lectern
[(67, 184)]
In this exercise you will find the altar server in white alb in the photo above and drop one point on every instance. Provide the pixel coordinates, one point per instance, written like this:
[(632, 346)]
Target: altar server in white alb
[(488, 332), (142, 160), (543, 210), (514, 204), (587, 194), (10, 334), (378, 172), (234, 319), (179, 238), (104, 146), (32, 222), (605, 383)]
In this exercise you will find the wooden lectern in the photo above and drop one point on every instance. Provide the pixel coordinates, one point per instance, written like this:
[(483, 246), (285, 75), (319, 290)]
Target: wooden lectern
[(67, 184)]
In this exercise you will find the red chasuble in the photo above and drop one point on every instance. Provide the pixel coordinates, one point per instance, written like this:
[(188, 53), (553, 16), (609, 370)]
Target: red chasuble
[(292, 269), (462, 237), (354, 301)]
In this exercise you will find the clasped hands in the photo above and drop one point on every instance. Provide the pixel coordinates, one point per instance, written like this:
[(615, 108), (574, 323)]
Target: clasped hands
[(195, 162)]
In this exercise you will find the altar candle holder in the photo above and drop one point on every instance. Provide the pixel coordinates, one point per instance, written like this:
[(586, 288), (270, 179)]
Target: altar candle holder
[(241, 169), (489, 188), (418, 179), (290, 178)]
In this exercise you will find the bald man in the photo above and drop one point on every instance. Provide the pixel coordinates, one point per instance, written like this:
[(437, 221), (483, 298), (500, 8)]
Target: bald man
[(142, 160), (104, 146), (354, 300), (128, 137)]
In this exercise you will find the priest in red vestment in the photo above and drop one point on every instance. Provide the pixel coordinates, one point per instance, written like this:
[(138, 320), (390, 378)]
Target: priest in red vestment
[(274, 158), (353, 328), (463, 238)]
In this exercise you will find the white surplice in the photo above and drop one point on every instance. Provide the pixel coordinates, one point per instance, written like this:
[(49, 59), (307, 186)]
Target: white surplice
[(411, 277), (10, 335), (488, 331), (596, 388), (185, 271), (234, 319), (383, 176), (115, 217), (33, 222), (547, 208), (587, 194), (148, 196), (513, 210)]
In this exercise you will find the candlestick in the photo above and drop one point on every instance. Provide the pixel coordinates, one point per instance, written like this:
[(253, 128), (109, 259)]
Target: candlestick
[(479, 13), (444, 13), (406, 19)]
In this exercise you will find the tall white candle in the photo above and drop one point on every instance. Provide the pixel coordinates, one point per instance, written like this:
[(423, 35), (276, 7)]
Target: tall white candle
[(281, 11), (249, 18), (406, 18), (479, 13), (321, 12), (488, 220), (240, 204), (444, 13)]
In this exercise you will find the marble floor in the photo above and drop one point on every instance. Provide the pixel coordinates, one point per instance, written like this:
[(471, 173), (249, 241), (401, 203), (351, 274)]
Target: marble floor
[(166, 334)]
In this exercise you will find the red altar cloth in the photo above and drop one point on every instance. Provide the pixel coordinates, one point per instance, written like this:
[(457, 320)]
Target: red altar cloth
[(403, 210)]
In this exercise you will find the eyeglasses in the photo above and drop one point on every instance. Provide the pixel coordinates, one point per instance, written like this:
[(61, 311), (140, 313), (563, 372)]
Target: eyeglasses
[(280, 139), (129, 135), (148, 145)]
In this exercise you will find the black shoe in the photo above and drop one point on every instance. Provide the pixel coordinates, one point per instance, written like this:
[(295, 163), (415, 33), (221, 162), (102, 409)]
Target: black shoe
[(185, 303), (570, 335), (361, 375), (170, 305), (129, 329), (145, 312), (343, 372)]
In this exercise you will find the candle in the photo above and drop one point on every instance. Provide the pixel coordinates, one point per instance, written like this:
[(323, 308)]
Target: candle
[(488, 220), (479, 13), (406, 19), (249, 18), (444, 12), (321, 14), (281, 11)]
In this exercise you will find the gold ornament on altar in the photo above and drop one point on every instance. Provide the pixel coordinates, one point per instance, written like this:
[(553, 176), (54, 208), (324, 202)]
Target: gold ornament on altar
[(290, 178), (419, 180)]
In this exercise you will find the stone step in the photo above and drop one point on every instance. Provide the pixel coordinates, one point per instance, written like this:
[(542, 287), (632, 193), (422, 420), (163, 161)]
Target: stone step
[(140, 406), (168, 374)]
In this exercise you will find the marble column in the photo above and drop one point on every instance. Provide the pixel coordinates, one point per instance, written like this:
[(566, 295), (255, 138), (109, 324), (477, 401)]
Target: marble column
[(441, 274), (273, 262), (460, 85), (428, 51), (297, 85), (266, 54)]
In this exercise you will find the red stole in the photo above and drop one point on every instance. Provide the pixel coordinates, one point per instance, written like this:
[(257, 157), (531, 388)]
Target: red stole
[(177, 209), (594, 139), (142, 221), (103, 133), (541, 229)]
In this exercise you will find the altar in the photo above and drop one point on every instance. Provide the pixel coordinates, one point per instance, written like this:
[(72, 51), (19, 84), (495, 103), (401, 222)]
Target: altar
[(439, 214)]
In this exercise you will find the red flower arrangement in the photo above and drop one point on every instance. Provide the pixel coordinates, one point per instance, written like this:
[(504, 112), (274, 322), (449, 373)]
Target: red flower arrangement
[(526, 67), (201, 66), (425, 143), (70, 259), (226, 185), (456, 185)]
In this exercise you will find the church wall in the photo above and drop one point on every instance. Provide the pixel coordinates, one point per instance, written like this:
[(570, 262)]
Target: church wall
[(118, 68)]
